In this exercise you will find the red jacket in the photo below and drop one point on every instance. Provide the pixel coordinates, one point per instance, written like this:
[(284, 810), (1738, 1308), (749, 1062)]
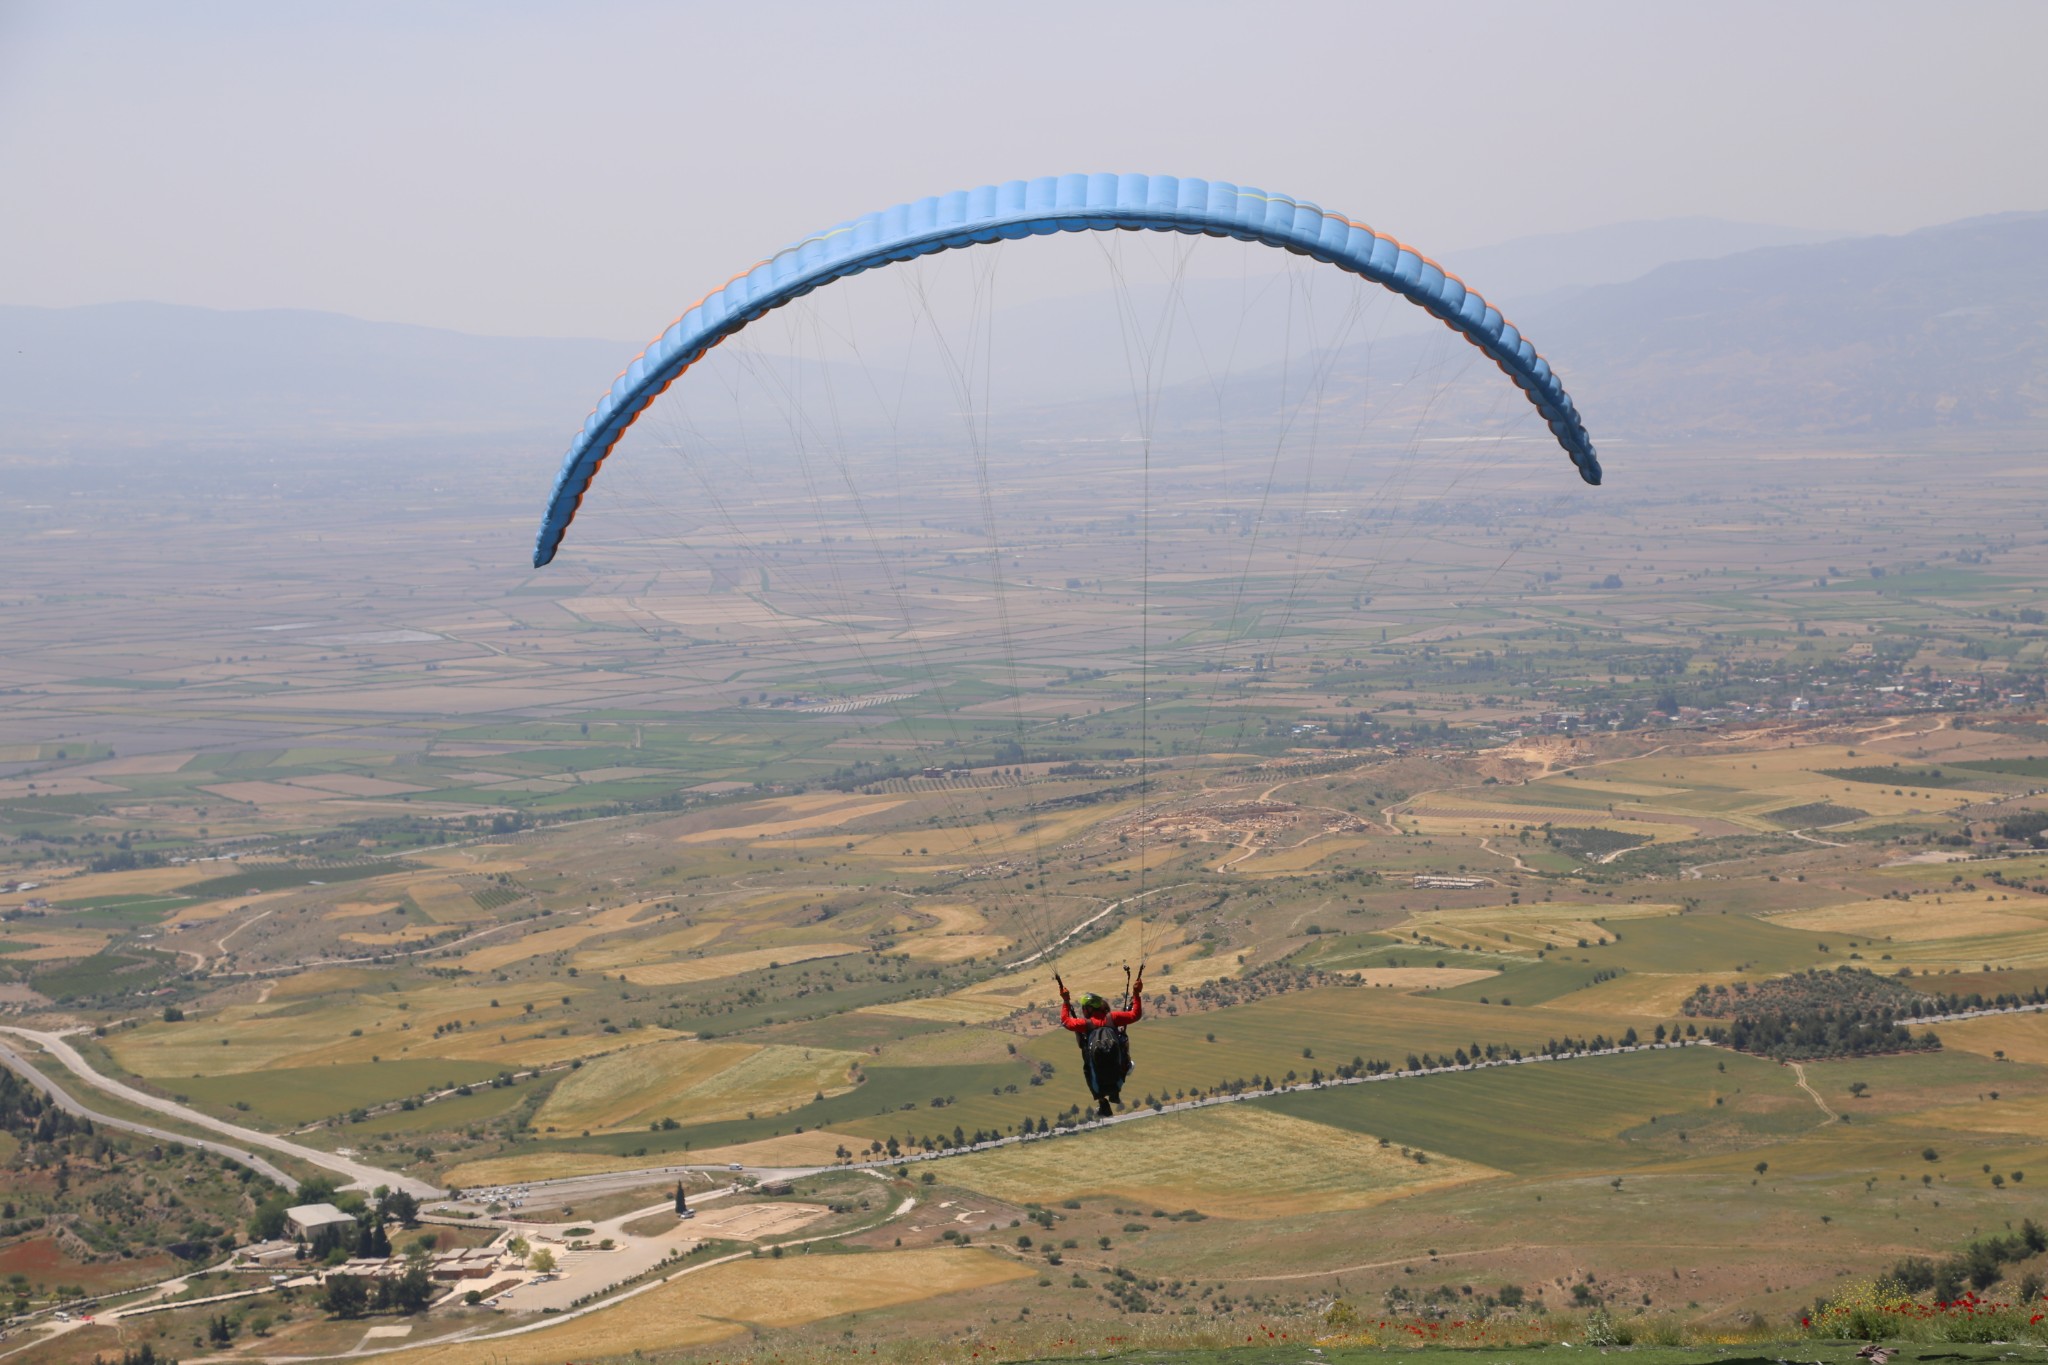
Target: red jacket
[(1081, 1023)]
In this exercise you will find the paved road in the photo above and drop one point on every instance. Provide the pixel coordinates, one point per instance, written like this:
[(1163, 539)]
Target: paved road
[(358, 1174), (14, 1061)]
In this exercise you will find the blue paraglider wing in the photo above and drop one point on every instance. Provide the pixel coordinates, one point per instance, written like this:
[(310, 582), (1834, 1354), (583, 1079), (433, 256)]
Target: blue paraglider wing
[(1030, 208)]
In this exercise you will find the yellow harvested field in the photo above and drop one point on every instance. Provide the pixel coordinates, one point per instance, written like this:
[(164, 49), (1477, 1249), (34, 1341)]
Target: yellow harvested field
[(780, 818), (1301, 857), (946, 1009), (361, 1028), (1420, 978), (192, 916), (2027, 1117), (1568, 782), (409, 934), (2021, 1037), (319, 981), (954, 919), (1972, 954), (357, 910), (978, 842), (1654, 995), (61, 785), (1551, 925), (722, 1301), (1197, 1160), (1743, 786), (518, 1048), (961, 933), (1921, 920), (732, 964), (701, 1082), (828, 1286), (267, 793), (1440, 819), (953, 947), (1451, 808), (559, 940), (624, 954), (54, 945), (1101, 961), (143, 881), (819, 1147), (443, 898)]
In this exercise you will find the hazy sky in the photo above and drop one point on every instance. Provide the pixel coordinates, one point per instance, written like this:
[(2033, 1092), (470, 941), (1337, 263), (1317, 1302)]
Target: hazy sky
[(587, 168)]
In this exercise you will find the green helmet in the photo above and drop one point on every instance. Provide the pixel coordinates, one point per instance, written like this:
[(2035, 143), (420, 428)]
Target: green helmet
[(1090, 1002)]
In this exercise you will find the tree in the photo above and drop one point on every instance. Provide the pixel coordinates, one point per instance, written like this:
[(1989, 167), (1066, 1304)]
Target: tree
[(372, 1242), (267, 1223), (347, 1296), (412, 1291), (399, 1205), (1859, 1088), (542, 1262), (682, 1200)]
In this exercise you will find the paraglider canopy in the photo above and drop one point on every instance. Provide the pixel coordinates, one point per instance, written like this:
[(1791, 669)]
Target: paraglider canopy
[(1027, 208)]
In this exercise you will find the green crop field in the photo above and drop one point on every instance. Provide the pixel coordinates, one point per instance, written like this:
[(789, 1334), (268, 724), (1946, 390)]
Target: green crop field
[(1531, 983), (1710, 942), (288, 1096), (1578, 1114), (255, 880)]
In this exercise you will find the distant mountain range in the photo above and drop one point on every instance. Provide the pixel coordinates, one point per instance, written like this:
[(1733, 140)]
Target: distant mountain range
[(1945, 328), (1672, 330)]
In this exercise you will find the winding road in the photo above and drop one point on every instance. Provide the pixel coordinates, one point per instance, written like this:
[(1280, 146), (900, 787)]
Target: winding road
[(14, 1061), (358, 1174)]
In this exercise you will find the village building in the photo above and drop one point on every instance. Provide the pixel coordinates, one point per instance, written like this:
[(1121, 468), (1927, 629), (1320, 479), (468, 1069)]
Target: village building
[(307, 1219)]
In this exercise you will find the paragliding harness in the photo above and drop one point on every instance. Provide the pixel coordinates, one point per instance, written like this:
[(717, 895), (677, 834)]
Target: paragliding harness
[(1106, 1061), (1105, 1050)]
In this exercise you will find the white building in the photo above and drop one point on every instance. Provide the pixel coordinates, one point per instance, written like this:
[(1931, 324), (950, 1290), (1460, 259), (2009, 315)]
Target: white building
[(308, 1219)]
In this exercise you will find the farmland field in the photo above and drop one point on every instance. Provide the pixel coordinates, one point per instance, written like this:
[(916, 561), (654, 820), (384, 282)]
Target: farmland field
[(769, 852), (1196, 1161)]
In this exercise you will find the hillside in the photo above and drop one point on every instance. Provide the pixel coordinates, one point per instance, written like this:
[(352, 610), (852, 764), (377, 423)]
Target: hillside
[(1871, 336)]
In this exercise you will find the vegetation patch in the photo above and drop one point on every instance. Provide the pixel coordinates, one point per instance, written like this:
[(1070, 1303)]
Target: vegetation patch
[(1899, 775), (1815, 814), (1591, 842), (1848, 1012), (104, 975)]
